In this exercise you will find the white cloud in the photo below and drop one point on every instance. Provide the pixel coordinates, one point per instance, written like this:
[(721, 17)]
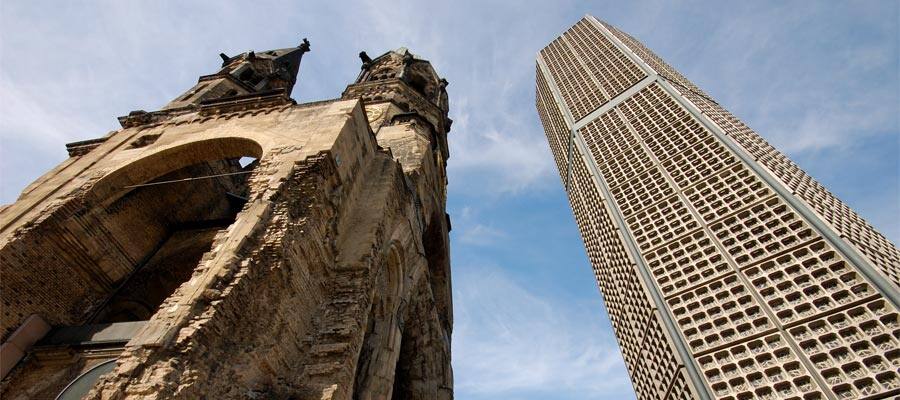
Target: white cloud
[(138, 56), (500, 162), (837, 127), (481, 235), (510, 341), (30, 118), (780, 80), (67, 71)]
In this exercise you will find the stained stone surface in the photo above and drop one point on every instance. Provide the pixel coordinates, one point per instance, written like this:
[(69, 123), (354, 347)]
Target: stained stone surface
[(320, 270)]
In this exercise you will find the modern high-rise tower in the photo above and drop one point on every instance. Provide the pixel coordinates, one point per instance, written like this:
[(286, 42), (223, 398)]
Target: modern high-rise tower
[(237, 245), (727, 272)]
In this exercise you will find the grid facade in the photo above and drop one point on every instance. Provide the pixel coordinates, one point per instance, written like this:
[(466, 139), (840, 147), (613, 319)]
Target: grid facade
[(727, 271)]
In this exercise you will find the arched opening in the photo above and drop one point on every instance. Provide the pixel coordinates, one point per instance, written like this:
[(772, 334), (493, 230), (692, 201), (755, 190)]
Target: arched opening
[(419, 84), (423, 79), (419, 370), (403, 373), (155, 213), (105, 261), (437, 253), (381, 345), (171, 221)]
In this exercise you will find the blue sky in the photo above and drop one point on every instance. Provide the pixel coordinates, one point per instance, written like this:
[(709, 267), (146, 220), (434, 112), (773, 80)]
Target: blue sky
[(820, 80)]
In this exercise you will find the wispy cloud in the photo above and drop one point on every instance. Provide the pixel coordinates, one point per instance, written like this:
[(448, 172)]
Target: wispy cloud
[(511, 343), (481, 235), (814, 80), (778, 79), (500, 159)]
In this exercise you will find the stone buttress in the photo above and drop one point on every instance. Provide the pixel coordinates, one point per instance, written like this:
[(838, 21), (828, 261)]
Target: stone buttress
[(236, 244)]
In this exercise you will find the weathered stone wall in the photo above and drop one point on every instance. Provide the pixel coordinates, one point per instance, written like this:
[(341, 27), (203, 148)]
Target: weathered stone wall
[(47, 372), (332, 282)]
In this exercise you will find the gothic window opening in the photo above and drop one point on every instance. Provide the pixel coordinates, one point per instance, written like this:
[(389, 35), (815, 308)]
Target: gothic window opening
[(419, 84), (381, 346)]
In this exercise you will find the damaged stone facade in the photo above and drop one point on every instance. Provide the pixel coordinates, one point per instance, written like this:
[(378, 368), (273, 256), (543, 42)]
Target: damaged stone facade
[(236, 244)]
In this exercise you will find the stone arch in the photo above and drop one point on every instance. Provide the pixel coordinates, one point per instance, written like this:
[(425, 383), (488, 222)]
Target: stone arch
[(437, 254), (421, 77), (184, 230), (169, 159), (381, 343), (94, 243), (423, 365)]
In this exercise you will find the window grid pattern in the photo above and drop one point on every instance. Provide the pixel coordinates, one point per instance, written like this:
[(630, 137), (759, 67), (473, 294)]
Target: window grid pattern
[(554, 124), (682, 388), (883, 254), (727, 192), (718, 314), (807, 282), (685, 263), (717, 310), (857, 351), (615, 140), (626, 297), (658, 366), (576, 86), (642, 192), (610, 66), (763, 368), (746, 278), (871, 243), (658, 65)]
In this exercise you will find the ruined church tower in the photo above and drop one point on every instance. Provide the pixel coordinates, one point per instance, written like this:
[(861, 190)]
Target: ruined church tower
[(237, 245)]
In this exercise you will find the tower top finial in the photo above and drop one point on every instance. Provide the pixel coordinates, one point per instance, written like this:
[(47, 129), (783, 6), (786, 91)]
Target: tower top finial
[(247, 73), (266, 70), (304, 47), (366, 60)]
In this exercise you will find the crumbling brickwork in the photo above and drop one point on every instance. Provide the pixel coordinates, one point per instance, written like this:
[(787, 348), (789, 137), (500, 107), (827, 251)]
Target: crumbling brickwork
[(258, 248)]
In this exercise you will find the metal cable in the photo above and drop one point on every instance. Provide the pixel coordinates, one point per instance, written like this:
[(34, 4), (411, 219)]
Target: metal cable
[(187, 179)]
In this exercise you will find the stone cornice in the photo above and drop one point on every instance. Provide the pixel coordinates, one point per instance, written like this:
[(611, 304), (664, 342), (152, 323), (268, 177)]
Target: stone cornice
[(389, 89)]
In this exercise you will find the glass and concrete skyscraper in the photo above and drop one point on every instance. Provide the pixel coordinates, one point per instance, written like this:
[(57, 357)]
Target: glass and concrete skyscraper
[(727, 271)]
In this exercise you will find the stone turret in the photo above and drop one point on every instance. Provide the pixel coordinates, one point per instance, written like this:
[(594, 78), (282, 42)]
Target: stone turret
[(400, 83), (407, 106), (272, 71), (157, 263)]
